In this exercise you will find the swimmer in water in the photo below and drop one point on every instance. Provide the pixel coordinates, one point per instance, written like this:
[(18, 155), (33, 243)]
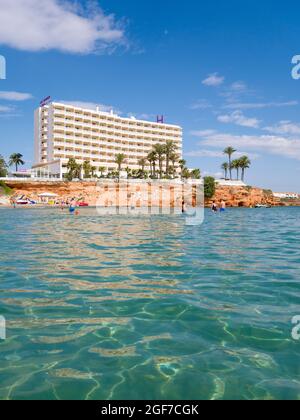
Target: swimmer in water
[(72, 207), (223, 206), (214, 207)]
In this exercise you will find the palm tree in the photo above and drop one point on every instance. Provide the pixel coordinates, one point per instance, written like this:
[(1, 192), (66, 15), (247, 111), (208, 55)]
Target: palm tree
[(17, 160), (102, 169), (225, 168), (174, 159), (182, 165), (142, 163), (236, 164), (196, 174), (229, 151), (129, 172), (160, 151), (170, 149), (3, 167), (152, 157), (119, 160), (87, 168), (74, 169), (186, 174), (245, 163)]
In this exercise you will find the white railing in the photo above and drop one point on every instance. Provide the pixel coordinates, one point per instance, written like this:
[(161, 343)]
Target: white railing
[(30, 179)]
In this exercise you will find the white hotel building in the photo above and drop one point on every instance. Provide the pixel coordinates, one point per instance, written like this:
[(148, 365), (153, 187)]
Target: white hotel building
[(64, 131)]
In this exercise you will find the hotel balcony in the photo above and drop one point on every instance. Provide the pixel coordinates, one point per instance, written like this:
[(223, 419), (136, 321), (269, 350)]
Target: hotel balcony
[(113, 121), (117, 140), (159, 135), (142, 152)]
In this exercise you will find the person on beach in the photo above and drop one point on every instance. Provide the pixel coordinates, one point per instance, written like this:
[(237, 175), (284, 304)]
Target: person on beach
[(183, 207), (214, 207)]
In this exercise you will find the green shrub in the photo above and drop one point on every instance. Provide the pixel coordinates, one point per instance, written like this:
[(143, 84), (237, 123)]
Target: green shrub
[(268, 192), (209, 187), (4, 189)]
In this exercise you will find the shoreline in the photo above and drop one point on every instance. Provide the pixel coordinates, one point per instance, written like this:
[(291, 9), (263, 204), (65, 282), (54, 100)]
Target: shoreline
[(128, 193), (50, 207)]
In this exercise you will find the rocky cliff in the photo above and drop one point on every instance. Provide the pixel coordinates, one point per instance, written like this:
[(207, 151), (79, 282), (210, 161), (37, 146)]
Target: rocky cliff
[(244, 196), (108, 193), (85, 191), (89, 192)]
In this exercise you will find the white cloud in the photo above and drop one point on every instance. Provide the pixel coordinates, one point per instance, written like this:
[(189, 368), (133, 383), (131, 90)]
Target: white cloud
[(15, 96), (233, 92), (35, 25), (251, 155), (285, 128), (238, 118), (213, 80), (216, 175), (239, 86), (205, 153), (5, 109), (203, 133), (201, 104), (261, 105), (277, 145), (8, 112)]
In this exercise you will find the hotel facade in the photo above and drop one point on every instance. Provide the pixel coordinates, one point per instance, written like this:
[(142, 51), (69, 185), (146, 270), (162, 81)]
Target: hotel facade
[(64, 131)]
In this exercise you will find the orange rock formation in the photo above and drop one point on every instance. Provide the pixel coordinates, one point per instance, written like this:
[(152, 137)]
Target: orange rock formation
[(89, 192), (244, 196)]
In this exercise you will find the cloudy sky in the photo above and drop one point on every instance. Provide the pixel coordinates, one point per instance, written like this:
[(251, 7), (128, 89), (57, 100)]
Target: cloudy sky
[(220, 69)]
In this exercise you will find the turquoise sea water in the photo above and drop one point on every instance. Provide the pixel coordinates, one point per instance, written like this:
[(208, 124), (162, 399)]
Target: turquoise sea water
[(149, 308)]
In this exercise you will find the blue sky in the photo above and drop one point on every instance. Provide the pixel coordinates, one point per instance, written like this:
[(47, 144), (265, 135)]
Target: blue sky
[(220, 69)]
